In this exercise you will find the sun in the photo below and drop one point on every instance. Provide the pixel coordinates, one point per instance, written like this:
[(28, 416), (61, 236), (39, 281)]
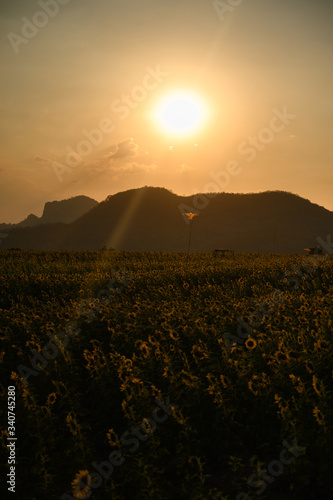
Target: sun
[(181, 113)]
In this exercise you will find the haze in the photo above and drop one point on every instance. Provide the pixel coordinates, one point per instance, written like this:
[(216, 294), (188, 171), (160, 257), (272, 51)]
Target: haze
[(80, 90)]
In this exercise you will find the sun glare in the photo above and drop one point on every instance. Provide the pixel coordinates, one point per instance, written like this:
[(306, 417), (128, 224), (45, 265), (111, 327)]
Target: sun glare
[(181, 113)]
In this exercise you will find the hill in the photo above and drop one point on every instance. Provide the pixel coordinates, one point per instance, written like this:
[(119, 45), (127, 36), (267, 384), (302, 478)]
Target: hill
[(65, 211), (150, 219)]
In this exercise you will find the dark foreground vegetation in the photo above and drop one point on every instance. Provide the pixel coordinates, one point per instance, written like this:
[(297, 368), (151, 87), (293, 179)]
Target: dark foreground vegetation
[(168, 376)]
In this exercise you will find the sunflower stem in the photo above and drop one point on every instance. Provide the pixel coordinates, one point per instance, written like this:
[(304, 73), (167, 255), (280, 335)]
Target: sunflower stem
[(189, 239)]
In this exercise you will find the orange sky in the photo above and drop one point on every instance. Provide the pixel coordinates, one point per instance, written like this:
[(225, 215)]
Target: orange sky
[(82, 80)]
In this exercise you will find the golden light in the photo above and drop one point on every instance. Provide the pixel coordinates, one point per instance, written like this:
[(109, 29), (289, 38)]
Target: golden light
[(181, 113)]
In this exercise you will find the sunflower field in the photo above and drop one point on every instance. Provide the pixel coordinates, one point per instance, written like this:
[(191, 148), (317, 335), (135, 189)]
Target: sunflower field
[(157, 376)]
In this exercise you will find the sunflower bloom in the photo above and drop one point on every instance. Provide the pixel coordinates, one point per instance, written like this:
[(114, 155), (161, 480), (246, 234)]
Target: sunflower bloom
[(281, 356), (250, 344), (190, 215), (81, 484), (315, 385), (318, 416), (51, 398)]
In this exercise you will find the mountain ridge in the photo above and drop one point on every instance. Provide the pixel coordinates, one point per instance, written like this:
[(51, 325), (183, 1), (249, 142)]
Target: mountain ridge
[(66, 211), (150, 218)]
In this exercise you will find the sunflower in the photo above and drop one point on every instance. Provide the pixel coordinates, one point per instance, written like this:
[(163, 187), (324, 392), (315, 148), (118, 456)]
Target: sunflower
[(318, 416), (81, 484), (251, 344), (51, 398), (281, 356), (303, 320), (293, 355), (190, 215), (322, 344)]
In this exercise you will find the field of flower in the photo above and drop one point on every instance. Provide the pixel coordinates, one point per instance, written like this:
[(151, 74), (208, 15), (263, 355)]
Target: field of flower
[(156, 376)]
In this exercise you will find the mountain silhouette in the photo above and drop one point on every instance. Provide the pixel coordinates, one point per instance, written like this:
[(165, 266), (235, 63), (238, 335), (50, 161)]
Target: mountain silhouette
[(57, 211), (150, 219)]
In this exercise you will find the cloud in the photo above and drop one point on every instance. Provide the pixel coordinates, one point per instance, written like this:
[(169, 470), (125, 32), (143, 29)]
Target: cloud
[(124, 149), (125, 160), (40, 158), (184, 168), (135, 168), (126, 157), (101, 175), (130, 169)]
